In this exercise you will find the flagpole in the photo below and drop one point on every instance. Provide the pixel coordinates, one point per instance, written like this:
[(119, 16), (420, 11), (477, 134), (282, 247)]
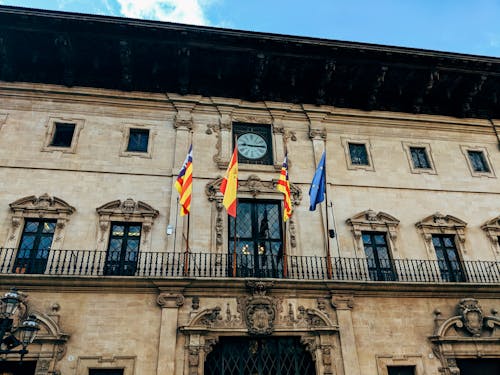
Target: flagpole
[(176, 218), (335, 229), (186, 252), (285, 261), (328, 253), (236, 215)]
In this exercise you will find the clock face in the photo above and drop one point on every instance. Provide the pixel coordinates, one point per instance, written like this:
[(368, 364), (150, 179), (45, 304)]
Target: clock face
[(252, 146)]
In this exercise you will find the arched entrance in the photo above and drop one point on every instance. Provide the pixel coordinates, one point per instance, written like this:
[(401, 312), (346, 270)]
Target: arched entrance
[(259, 356)]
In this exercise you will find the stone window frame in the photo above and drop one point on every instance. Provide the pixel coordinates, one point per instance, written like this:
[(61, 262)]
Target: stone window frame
[(51, 128), (33, 207), (371, 221), (125, 363), (438, 223), (125, 211), (125, 139), (386, 360), (407, 149), (465, 151), (492, 231), (357, 140)]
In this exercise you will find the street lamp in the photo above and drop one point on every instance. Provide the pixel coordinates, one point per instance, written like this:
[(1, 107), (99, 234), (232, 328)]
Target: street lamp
[(14, 333)]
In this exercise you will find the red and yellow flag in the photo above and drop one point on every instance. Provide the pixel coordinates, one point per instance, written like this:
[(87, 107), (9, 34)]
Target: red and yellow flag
[(229, 184), (284, 187), (184, 183)]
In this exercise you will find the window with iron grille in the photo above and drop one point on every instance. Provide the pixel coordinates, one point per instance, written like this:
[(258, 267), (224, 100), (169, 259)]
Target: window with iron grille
[(358, 154), (419, 157), (478, 161), (63, 134), (254, 143), (138, 140), (401, 370)]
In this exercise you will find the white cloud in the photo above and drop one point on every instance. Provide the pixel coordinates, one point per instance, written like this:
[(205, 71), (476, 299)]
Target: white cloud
[(183, 11)]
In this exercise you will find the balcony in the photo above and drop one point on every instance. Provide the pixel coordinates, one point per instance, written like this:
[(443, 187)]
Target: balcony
[(209, 265)]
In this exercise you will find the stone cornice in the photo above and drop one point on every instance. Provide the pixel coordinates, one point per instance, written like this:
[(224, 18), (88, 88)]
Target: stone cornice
[(234, 287)]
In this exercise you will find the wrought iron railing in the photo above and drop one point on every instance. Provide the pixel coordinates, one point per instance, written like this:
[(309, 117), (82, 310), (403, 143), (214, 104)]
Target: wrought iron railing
[(210, 265)]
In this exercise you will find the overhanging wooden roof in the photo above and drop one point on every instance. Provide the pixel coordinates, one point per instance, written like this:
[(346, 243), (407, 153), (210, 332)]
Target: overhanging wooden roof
[(133, 55)]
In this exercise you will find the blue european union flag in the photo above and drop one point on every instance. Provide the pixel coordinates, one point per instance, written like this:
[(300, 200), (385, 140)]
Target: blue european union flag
[(318, 185)]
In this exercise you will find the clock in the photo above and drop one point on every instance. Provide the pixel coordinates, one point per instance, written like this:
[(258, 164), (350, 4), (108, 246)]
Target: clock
[(252, 146)]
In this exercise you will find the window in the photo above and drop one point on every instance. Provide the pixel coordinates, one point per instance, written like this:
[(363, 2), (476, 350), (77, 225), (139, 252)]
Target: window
[(105, 371), (419, 157), (63, 134), (259, 240), (358, 154), (377, 256), (478, 161), (138, 140), (254, 143), (123, 249), (449, 263), (401, 370), (34, 247)]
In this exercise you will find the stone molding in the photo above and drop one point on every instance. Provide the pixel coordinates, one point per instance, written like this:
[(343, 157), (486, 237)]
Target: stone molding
[(127, 363), (492, 230), (42, 207), (406, 148), (362, 141), (468, 334), (129, 211), (442, 224), (126, 136), (372, 221), (342, 302)]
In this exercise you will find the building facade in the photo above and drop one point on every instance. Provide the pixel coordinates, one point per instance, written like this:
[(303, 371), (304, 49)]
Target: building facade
[(397, 272)]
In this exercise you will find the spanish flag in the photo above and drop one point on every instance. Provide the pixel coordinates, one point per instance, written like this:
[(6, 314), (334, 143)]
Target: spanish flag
[(284, 187), (229, 184), (184, 183)]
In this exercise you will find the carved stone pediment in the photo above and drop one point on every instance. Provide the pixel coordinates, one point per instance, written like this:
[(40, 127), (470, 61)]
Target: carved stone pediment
[(41, 206), (128, 208), (254, 186), (492, 229), (441, 224), (438, 220), (371, 220), (470, 333)]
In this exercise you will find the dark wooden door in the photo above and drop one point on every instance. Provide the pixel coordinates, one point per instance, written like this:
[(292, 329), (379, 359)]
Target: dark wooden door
[(486, 366), (449, 262)]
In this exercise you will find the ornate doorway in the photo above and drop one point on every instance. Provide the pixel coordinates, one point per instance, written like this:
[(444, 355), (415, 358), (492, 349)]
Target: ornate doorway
[(259, 356)]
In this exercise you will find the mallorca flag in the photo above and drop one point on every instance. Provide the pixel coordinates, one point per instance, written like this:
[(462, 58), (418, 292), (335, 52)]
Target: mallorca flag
[(284, 187), (229, 184), (184, 183)]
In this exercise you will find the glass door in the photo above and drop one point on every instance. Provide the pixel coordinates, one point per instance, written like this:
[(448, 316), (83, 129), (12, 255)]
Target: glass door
[(449, 263), (259, 239), (123, 249)]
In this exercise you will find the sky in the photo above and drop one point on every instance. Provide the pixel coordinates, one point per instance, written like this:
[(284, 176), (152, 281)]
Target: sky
[(463, 26)]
